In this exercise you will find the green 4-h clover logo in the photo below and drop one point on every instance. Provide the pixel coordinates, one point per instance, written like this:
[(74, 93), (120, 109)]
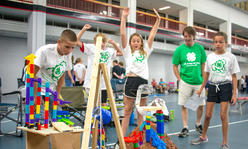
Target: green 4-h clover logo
[(58, 71), (219, 66), (139, 59), (191, 56), (104, 57)]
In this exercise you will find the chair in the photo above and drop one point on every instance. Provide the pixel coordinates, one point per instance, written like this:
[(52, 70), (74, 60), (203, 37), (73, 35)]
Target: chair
[(76, 96), (6, 108)]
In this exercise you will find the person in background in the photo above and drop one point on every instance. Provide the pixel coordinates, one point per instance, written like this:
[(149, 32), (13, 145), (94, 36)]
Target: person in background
[(242, 82), (123, 71), (156, 86), (116, 75), (79, 72), (69, 75), (246, 82), (163, 86)]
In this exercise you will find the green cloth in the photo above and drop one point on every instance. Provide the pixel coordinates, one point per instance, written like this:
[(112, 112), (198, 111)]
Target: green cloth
[(190, 59)]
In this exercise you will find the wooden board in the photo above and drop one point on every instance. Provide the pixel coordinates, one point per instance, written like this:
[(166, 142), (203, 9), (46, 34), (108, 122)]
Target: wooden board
[(113, 106), (48, 131), (148, 108), (61, 127), (36, 141), (62, 141), (90, 104)]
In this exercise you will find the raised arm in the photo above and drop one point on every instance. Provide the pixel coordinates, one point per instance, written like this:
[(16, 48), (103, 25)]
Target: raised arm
[(79, 35), (125, 13), (119, 52), (154, 29)]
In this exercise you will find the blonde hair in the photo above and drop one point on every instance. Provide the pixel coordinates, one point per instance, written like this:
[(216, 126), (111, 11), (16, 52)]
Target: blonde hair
[(142, 51), (78, 60), (104, 37)]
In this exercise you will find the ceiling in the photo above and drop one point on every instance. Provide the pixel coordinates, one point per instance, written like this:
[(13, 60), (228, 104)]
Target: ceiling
[(199, 17)]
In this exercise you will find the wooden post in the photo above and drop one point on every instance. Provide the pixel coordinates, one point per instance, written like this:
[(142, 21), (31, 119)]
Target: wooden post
[(113, 106), (97, 98), (87, 126)]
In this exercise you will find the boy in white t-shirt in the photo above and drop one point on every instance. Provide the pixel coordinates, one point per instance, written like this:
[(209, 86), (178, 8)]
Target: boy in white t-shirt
[(221, 68), (106, 56), (51, 63), (79, 72)]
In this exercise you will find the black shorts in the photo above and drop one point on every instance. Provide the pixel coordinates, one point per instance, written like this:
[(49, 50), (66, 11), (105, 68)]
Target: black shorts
[(104, 96), (224, 94), (78, 84), (131, 86)]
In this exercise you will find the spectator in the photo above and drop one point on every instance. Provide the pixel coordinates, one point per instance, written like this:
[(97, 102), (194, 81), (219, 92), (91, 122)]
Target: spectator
[(123, 71), (69, 75), (155, 85), (242, 82), (79, 72), (163, 86), (116, 75)]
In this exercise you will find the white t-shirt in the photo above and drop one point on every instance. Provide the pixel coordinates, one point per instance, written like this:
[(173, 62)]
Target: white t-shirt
[(79, 68), (52, 65), (242, 81), (106, 56), (221, 67), (137, 63)]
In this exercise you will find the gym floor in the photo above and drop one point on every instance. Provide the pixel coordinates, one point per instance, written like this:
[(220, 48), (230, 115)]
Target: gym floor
[(237, 135)]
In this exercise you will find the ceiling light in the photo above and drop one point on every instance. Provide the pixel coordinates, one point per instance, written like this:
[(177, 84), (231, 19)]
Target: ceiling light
[(238, 30), (163, 8)]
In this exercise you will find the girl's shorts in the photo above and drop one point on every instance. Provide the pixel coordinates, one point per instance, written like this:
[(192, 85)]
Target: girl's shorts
[(219, 93), (131, 86)]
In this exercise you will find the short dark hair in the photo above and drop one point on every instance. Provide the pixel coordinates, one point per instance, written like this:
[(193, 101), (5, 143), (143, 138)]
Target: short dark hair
[(121, 63), (190, 30), (221, 34), (115, 61), (68, 35)]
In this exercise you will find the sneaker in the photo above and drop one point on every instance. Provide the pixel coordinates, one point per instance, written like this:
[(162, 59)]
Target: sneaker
[(224, 146), (184, 132), (199, 129), (199, 140)]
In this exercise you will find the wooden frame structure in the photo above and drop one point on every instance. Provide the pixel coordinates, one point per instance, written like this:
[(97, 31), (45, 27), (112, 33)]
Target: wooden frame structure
[(92, 100)]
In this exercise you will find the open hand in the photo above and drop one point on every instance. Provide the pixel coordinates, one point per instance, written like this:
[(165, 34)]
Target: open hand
[(86, 26), (157, 15), (125, 11)]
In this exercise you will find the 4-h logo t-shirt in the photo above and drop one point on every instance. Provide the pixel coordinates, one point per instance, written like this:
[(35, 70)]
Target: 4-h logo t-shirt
[(106, 56), (221, 67), (52, 65), (137, 63), (190, 59)]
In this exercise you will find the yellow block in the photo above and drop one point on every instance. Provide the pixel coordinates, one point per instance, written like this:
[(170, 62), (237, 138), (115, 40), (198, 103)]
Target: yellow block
[(47, 105), (31, 116), (38, 109)]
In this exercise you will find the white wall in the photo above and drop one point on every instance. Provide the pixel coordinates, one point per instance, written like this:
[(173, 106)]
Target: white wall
[(13, 51), (160, 66)]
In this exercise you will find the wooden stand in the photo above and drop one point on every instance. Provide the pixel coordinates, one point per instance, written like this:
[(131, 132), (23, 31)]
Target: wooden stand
[(39, 139), (93, 97)]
